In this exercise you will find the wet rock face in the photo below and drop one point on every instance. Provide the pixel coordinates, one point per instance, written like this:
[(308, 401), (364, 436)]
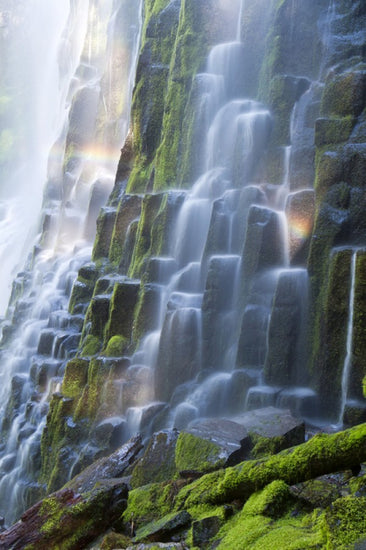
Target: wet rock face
[(300, 212)]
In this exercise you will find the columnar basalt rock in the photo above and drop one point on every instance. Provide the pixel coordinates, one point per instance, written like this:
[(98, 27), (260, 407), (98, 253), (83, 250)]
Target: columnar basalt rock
[(308, 71)]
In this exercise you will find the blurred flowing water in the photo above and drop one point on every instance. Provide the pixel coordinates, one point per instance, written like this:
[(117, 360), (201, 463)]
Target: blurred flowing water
[(68, 71)]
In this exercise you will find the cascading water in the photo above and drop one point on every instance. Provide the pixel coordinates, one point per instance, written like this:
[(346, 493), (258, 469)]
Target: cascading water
[(32, 98), (217, 326), (74, 141), (193, 352)]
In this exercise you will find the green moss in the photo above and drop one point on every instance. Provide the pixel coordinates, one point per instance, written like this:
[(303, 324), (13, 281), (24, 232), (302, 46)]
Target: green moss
[(105, 224), (116, 346), (53, 510), (158, 463), (91, 346), (121, 311), (150, 208), (195, 453), (333, 130), (147, 503), (259, 533), (115, 540), (263, 446), (345, 522), (129, 209), (344, 94), (329, 340), (54, 439), (75, 377), (272, 501), (319, 455), (357, 381), (91, 398), (189, 52)]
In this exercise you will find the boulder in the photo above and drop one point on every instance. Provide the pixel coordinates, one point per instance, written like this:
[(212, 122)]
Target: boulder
[(158, 462), (211, 444), (68, 519), (109, 467), (163, 529)]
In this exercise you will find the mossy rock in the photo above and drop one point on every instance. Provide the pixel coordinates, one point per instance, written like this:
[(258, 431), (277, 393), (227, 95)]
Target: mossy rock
[(260, 533), (105, 225), (83, 287), (129, 209), (121, 312), (333, 130), (284, 91), (75, 377), (345, 522), (116, 346), (163, 529), (147, 503), (344, 94), (197, 454), (273, 501), (113, 540), (158, 461), (68, 520), (92, 345), (329, 344), (150, 208), (317, 493), (357, 377)]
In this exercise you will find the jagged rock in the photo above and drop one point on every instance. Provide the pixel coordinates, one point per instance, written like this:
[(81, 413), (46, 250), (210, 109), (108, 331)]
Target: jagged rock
[(205, 529), (211, 444), (109, 432), (68, 519), (46, 340), (158, 461), (271, 422), (109, 467), (164, 528), (98, 197)]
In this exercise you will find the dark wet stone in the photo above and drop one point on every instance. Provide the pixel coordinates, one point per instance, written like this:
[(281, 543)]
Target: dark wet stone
[(163, 529), (204, 529), (158, 461)]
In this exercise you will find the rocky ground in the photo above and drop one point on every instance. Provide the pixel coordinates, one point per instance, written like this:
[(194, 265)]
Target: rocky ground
[(246, 482)]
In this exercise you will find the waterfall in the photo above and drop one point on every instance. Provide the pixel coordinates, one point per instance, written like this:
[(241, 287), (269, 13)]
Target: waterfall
[(32, 103), (216, 322), (349, 341), (77, 119)]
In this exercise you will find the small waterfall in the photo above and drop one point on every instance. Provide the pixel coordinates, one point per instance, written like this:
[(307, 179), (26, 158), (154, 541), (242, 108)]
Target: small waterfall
[(349, 347), (80, 157)]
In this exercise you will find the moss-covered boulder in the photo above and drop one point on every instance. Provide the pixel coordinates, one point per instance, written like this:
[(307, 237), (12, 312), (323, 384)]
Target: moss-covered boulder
[(158, 462), (67, 519)]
